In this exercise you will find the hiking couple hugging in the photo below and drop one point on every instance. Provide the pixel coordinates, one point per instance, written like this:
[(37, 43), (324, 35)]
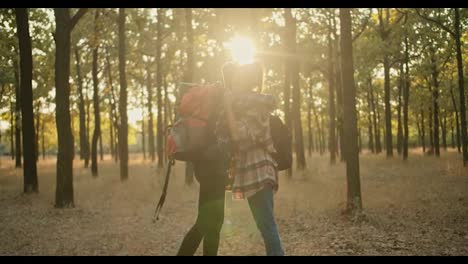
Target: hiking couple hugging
[(234, 142)]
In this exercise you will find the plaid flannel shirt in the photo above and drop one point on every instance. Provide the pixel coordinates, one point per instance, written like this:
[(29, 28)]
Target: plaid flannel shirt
[(252, 165)]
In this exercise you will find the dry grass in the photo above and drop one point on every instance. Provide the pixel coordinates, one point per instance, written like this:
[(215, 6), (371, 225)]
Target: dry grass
[(415, 208)]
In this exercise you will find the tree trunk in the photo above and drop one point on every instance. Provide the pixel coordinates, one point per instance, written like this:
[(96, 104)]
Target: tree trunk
[(150, 114), (435, 98), (388, 113), (12, 131), (331, 98), (418, 126), (88, 127), (17, 115), (29, 133), (123, 127), (164, 126), (399, 124), (431, 132), (143, 141), (84, 152), (101, 149), (43, 139), (113, 111), (37, 126), (375, 115), (461, 87), (159, 72), (369, 120), (322, 136), (64, 186), (406, 87), (319, 130), (309, 122), (444, 131), (189, 77), (423, 132), (452, 133), (111, 133), (97, 115), (339, 93), (456, 118), (354, 202), (296, 93)]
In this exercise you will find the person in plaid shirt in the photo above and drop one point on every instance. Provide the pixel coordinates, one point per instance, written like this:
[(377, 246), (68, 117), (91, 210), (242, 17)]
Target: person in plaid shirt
[(246, 129)]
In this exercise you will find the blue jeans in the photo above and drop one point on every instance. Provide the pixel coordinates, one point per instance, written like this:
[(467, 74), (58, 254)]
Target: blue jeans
[(261, 205)]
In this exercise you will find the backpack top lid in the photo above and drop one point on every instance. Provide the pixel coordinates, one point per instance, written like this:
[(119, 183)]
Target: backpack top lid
[(199, 100)]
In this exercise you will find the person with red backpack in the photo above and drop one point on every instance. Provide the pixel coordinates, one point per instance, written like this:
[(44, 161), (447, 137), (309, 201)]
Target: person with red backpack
[(193, 139), (246, 129)]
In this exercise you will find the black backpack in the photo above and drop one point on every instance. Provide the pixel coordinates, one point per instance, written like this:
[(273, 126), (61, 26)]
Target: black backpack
[(282, 142)]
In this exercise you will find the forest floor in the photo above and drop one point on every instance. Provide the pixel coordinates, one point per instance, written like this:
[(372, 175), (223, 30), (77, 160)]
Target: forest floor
[(419, 207)]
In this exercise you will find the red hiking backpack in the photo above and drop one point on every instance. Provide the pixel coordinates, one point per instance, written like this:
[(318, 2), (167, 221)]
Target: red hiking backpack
[(189, 135)]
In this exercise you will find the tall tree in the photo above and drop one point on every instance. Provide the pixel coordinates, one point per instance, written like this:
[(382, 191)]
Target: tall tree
[(17, 114), (97, 111), (354, 202), (123, 126), (331, 96), (189, 77), (435, 100), (150, 113), (406, 89), (64, 25), (159, 72), (296, 103), (26, 67)]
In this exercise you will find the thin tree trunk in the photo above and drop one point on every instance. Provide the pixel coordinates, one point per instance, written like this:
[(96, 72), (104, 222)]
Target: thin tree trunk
[(399, 106), (43, 139), (296, 103), (456, 118), (331, 98), (452, 133), (37, 126), (17, 115), (354, 201), (88, 126), (123, 127), (150, 114), (189, 172), (113, 111), (406, 89), (435, 98), (431, 132), (97, 112), (318, 127), (159, 73), (388, 113), (111, 133), (12, 131), (29, 133), (309, 123), (418, 126), (423, 132), (444, 131), (375, 115), (143, 141), (369, 121), (339, 93), (164, 130), (84, 152)]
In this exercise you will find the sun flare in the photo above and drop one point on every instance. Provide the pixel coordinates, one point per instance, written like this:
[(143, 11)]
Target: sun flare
[(242, 49)]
